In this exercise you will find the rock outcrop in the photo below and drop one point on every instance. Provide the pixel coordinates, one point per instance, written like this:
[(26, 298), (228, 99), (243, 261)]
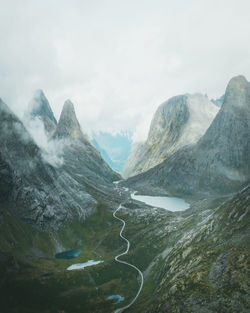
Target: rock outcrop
[(178, 122)]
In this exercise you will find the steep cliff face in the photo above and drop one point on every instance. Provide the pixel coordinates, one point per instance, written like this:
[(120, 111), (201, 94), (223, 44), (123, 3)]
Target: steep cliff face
[(39, 107), (31, 189), (178, 122), (220, 161)]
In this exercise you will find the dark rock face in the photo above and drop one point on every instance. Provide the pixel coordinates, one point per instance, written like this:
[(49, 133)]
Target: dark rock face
[(6, 183), (34, 190), (39, 107), (220, 161), (178, 122)]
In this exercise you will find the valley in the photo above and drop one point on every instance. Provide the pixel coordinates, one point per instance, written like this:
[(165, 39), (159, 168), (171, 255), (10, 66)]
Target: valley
[(157, 238), (173, 237)]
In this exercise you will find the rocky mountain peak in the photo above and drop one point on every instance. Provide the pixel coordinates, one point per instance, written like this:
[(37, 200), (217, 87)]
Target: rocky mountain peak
[(180, 121), (68, 125), (164, 115), (237, 93), (220, 161), (39, 107)]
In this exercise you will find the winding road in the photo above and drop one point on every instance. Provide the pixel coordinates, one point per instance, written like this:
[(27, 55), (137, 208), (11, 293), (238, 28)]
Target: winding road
[(126, 263)]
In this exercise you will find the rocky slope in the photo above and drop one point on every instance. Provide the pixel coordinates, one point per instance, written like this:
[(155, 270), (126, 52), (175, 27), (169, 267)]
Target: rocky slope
[(219, 162), (203, 266), (30, 187), (39, 107), (178, 122)]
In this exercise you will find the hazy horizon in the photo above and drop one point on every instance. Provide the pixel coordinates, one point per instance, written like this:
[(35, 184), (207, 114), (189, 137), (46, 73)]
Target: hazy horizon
[(118, 61)]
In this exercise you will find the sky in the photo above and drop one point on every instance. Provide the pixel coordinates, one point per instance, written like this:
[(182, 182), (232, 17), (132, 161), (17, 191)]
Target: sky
[(119, 60)]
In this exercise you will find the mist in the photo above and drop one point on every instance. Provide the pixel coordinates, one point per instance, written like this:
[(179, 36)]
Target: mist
[(118, 61), (52, 150)]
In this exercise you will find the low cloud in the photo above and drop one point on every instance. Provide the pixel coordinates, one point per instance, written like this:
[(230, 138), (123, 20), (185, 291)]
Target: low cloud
[(51, 149), (118, 60)]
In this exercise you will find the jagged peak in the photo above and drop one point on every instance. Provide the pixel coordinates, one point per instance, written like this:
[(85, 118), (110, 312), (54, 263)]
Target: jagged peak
[(192, 103), (68, 113), (68, 105), (39, 93), (237, 93), (39, 106), (68, 125)]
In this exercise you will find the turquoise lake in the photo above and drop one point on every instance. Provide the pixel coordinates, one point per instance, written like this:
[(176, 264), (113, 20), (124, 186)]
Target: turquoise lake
[(70, 254), (117, 297), (168, 203)]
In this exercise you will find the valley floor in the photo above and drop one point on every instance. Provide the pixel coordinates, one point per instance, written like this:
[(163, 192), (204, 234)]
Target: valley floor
[(192, 261)]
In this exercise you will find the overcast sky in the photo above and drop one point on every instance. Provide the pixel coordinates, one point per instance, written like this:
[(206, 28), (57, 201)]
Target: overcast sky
[(118, 60)]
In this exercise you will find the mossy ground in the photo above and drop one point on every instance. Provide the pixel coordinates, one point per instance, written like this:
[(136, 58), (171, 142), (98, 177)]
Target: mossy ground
[(182, 279), (33, 280)]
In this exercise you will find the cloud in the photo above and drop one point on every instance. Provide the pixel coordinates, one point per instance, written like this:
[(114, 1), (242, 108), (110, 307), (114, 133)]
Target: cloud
[(51, 150), (118, 60)]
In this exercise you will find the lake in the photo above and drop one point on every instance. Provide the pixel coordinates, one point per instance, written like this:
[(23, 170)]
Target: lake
[(167, 203), (69, 254), (118, 298), (80, 266)]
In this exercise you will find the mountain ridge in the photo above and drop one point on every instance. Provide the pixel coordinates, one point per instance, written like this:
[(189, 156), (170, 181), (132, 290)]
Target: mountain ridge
[(178, 122), (219, 161)]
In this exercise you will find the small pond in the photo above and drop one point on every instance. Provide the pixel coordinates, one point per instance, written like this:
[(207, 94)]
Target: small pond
[(167, 203), (80, 266), (118, 298), (70, 254)]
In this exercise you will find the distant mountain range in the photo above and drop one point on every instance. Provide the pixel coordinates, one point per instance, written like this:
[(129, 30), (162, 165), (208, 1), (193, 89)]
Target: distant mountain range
[(218, 101), (114, 149)]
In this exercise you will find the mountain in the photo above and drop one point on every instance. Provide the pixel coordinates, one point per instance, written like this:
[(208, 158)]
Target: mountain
[(80, 157), (31, 189), (117, 147), (68, 125), (178, 122), (136, 154), (192, 261), (49, 187), (220, 161), (39, 107)]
